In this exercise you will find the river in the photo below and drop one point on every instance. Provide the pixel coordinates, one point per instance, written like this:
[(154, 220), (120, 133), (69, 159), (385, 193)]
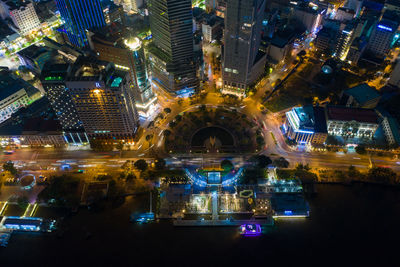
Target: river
[(355, 225)]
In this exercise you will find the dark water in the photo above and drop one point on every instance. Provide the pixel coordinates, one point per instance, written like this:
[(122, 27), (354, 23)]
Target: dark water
[(350, 226)]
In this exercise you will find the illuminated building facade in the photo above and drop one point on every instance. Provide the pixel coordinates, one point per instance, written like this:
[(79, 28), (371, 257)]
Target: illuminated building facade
[(351, 122), (306, 125), (53, 81), (243, 62), (22, 14), (127, 55), (382, 37), (104, 100), (171, 54), (15, 93), (79, 16)]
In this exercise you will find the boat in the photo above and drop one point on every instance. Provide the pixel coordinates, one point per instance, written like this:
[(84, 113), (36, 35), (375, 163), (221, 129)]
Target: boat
[(250, 229)]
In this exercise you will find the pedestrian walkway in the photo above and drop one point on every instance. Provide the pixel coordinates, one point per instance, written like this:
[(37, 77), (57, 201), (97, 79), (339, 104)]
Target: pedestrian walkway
[(30, 210), (215, 206), (3, 206)]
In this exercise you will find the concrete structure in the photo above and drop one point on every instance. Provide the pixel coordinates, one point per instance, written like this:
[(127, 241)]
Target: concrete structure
[(309, 17), (361, 96), (22, 14), (243, 63), (351, 122), (80, 16), (127, 54), (171, 53), (381, 38), (306, 125), (395, 76), (15, 93), (34, 57), (53, 81), (104, 100)]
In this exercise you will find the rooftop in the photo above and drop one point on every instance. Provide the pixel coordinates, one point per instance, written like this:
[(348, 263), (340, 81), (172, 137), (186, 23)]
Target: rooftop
[(9, 85), (362, 93), (349, 114)]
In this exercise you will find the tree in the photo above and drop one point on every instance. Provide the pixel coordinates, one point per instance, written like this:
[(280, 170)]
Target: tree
[(226, 165), (120, 146), (167, 110), (261, 161), (281, 162), (331, 140), (141, 165), (9, 166), (159, 163), (260, 140), (172, 124), (360, 149), (178, 118), (167, 133), (382, 175), (148, 137)]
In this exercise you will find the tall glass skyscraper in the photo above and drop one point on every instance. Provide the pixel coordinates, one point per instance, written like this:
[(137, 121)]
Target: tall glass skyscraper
[(171, 53), (243, 62), (79, 16)]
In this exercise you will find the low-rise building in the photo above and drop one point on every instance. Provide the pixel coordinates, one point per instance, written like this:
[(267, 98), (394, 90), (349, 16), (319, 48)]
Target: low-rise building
[(22, 14), (306, 125), (361, 96), (351, 122), (14, 94)]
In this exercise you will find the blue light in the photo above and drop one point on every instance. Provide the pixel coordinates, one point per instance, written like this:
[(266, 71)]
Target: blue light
[(383, 27), (288, 212)]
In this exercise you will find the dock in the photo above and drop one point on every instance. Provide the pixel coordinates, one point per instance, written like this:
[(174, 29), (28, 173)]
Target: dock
[(268, 221)]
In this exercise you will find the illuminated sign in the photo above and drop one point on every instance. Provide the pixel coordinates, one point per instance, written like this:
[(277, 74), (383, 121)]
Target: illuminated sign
[(98, 84), (383, 27)]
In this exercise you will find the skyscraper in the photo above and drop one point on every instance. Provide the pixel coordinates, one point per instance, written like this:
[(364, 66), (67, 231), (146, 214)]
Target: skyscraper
[(104, 100), (79, 16), (171, 53), (53, 79), (382, 37), (243, 62), (127, 53)]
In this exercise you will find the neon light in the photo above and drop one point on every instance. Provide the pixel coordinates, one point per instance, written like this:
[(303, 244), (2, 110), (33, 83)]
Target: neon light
[(303, 131), (289, 216), (147, 104), (383, 27), (250, 229)]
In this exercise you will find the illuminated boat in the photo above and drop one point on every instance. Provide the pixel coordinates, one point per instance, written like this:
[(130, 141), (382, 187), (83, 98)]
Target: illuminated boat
[(250, 229)]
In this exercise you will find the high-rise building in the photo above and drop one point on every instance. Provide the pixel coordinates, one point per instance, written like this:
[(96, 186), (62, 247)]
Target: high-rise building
[(171, 53), (104, 100), (80, 16), (243, 62), (395, 75), (344, 41), (53, 79), (22, 14), (382, 37), (127, 54)]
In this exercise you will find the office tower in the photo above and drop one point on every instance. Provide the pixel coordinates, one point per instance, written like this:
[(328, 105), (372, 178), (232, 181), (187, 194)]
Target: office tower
[(22, 14), (127, 54), (171, 53), (80, 16), (344, 40), (382, 37), (142, 89), (104, 100), (53, 79), (243, 62)]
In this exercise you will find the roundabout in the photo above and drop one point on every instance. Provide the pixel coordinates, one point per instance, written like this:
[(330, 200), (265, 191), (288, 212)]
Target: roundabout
[(211, 129)]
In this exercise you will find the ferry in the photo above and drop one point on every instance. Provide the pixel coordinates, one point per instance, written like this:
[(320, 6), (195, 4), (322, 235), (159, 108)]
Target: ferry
[(250, 229)]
